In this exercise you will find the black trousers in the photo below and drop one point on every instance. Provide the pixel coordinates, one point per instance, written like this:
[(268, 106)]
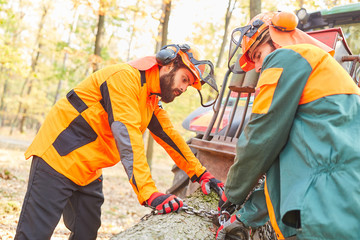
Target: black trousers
[(50, 194)]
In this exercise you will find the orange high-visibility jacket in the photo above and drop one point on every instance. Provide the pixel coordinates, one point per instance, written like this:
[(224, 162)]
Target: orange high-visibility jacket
[(102, 121)]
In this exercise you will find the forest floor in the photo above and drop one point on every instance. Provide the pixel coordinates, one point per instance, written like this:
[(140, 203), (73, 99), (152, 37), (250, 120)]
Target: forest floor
[(120, 210)]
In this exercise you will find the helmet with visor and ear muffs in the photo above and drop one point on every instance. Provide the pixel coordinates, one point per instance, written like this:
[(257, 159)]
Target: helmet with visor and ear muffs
[(282, 29), (245, 37), (252, 34), (203, 70)]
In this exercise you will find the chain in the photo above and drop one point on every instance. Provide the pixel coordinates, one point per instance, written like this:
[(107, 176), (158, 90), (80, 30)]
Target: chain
[(200, 212), (266, 232), (147, 216), (187, 209)]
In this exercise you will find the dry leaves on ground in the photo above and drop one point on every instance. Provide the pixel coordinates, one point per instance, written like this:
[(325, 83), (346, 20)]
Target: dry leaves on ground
[(120, 211)]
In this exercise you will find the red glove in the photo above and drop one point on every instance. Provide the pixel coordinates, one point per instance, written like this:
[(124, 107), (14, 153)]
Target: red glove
[(222, 200), (233, 229), (165, 203), (208, 181)]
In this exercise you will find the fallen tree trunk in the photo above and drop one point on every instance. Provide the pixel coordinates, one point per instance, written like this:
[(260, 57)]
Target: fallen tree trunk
[(184, 225), (180, 225)]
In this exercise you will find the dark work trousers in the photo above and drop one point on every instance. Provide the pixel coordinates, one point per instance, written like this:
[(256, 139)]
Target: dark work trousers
[(51, 194)]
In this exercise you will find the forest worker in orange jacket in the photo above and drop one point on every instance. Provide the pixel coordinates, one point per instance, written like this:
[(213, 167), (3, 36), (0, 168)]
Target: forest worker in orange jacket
[(101, 122), (303, 134)]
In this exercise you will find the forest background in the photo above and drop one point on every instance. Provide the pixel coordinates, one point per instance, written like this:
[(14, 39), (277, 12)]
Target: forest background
[(49, 46)]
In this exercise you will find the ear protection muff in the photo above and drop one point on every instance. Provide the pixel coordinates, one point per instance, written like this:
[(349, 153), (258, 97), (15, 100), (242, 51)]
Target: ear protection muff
[(165, 56), (285, 21), (168, 53)]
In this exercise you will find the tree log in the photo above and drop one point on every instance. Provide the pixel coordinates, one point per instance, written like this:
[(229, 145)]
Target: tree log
[(180, 225), (183, 225)]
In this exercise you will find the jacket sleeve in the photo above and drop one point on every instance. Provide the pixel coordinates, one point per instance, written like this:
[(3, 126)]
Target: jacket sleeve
[(254, 212), (284, 75), (164, 133), (121, 101)]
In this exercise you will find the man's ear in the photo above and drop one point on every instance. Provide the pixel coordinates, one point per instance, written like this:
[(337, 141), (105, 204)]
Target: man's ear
[(167, 68)]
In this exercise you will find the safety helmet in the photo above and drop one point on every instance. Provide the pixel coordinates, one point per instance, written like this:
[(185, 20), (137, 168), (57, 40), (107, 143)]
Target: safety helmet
[(202, 69), (282, 29)]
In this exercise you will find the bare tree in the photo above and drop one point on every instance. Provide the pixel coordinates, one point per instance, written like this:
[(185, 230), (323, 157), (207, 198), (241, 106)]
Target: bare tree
[(229, 11)]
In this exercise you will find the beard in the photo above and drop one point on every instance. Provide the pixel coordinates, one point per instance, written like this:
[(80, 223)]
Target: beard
[(167, 87)]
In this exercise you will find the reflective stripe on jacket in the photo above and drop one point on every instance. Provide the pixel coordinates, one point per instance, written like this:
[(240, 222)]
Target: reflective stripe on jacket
[(102, 121), (304, 134)]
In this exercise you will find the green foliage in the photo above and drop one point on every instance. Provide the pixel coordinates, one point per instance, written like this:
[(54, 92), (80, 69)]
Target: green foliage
[(60, 46)]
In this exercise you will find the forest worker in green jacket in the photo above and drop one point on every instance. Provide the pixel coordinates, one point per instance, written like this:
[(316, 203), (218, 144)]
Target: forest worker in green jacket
[(304, 135)]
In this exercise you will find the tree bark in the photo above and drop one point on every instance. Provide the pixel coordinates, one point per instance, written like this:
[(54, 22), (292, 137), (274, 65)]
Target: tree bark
[(99, 36), (165, 24)]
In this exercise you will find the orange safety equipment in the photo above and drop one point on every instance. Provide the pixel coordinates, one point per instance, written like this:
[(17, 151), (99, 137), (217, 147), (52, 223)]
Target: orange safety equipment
[(285, 21), (282, 29), (102, 121), (203, 70)]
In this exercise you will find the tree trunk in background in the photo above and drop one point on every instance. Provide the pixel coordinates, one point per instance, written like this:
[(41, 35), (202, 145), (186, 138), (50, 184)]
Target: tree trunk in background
[(163, 31), (22, 111), (72, 30), (229, 11), (31, 82), (163, 26), (165, 23), (99, 36), (255, 8)]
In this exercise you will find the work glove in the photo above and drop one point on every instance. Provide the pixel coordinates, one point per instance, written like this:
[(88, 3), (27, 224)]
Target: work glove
[(165, 203), (222, 200), (233, 229), (208, 182)]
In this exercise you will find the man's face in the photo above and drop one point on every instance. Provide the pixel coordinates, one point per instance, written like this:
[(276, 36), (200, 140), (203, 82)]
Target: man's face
[(260, 53), (174, 83)]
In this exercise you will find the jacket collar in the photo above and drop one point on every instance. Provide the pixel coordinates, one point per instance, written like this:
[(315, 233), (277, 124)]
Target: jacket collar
[(151, 68), (153, 81)]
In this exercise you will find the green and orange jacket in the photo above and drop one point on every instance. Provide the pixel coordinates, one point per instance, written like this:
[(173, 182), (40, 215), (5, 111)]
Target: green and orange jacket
[(102, 121), (304, 134)]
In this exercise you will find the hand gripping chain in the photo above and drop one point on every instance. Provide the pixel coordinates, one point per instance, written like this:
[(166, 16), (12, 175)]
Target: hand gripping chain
[(189, 210)]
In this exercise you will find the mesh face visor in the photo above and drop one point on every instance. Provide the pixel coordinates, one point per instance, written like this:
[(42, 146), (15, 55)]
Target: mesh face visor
[(202, 69), (205, 70), (237, 37)]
